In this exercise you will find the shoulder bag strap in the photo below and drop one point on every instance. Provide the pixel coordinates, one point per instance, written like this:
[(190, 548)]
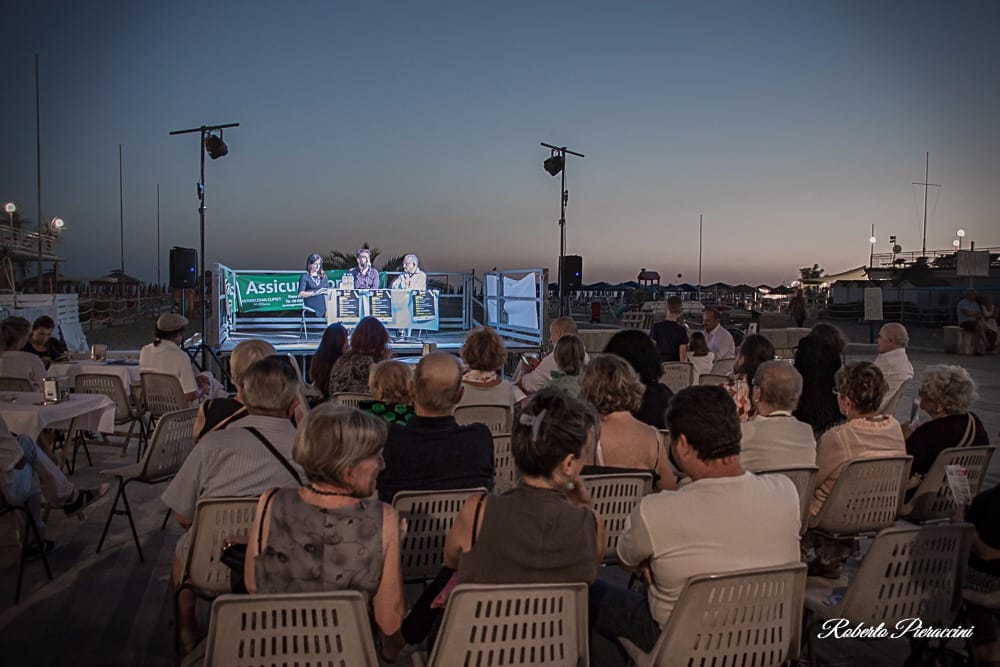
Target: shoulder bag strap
[(276, 453), (263, 518), (970, 432), (475, 519)]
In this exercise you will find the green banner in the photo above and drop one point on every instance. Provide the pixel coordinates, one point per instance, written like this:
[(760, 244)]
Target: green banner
[(268, 292)]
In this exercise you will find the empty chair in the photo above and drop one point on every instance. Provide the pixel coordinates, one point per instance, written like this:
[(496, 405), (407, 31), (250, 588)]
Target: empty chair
[(615, 496), (933, 500), (505, 474), (301, 628), (637, 319), (351, 398), (171, 443), (496, 417), (15, 384), (723, 366), (712, 379), (677, 374), (751, 617), (865, 498), (804, 479), (429, 516), (890, 402), (538, 624), (162, 393), (28, 534), (125, 411)]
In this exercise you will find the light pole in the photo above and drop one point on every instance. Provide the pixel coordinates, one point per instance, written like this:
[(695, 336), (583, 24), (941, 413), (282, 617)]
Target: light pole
[(960, 234), (10, 207), (871, 252)]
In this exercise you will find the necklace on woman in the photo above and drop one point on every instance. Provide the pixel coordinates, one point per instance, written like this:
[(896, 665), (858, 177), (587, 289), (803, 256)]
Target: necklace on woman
[(323, 492)]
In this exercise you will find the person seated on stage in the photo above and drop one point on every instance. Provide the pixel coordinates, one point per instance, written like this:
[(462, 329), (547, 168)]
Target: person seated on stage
[(369, 345), (364, 274), (412, 277), (14, 362), (164, 355), (638, 350), (570, 356), (313, 285), (484, 355), (245, 459), (535, 375), (892, 360), (331, 347), (42, 342), (432, 451), (773, 437), (331, 534), (389, 382), (699, 355), (27, 475), (612, 386), (217, 413), (754, 351)]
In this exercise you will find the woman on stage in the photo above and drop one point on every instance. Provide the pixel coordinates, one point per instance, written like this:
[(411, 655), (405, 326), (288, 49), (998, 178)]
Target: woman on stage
[(313, 286)]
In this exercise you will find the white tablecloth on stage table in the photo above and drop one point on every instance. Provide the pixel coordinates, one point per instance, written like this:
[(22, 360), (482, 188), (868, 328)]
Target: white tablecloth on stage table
[(128, 373), (25, 416)]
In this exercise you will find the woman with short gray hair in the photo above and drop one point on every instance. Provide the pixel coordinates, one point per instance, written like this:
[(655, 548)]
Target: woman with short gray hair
[(946, 394)]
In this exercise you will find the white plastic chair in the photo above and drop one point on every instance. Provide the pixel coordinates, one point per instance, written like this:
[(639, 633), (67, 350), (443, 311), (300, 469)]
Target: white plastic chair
[(161, 393), (677, 374), (496, 417), (890, 402), (125, 411), (351, 398), (865, 498), (712, 379), (723, 366), (932, 500), (615, 496), (429, 516), (804, 479), (505, 473)]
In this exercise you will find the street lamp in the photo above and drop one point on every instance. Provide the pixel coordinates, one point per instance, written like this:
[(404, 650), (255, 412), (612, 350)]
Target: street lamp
[(960, 234), (56, 225), (871, 252), (10, 207), (956, 244)]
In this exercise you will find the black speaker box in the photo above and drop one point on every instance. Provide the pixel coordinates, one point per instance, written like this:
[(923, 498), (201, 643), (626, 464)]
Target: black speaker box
[(571, 270), (183, 267)]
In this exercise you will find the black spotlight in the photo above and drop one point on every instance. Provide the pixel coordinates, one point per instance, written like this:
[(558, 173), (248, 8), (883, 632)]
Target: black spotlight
[(216, 147), (554, 164)]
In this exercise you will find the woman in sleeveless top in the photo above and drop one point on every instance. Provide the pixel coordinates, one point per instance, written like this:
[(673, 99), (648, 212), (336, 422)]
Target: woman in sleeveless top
[(332, 534), (612, 386), (754, 351), (217, 413)]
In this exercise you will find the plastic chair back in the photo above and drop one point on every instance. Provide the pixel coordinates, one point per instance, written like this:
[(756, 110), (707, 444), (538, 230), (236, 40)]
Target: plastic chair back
[(932, 501), (112, 387), (752, 617), (496, 417), (162, 393), (172, 441), (292, 628), (804, 479), (712, 379), (8, 383), (890, 403), (615, 496), (866, 496), (429, 516), (677, 374), (538, 624), (217, 521), (723, 366), (505, 474), (351, 398)]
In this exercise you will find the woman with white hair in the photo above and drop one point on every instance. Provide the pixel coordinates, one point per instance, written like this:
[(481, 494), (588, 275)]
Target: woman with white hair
[(946, 394)]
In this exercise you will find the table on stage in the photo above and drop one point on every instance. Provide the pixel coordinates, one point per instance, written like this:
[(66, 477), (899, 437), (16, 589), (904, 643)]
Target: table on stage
[(26, 414), (127, 371)]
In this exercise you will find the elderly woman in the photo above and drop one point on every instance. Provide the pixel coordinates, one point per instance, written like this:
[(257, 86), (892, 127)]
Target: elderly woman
[(817, 358), (14, 362), (217, 413), (369, 345), (612, 386), (754, 351), (484, 355), (331, 534), (331, 347), (390, 383), (570, 355), (946, 394), (640, 352)]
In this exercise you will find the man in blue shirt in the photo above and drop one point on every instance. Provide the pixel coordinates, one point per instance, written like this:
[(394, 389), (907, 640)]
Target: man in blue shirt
[(365, 275)]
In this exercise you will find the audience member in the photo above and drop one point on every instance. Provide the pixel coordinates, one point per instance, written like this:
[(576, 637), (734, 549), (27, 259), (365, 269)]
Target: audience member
[(369, 345), (43, 343), (817, 358), (773, 437), (331, 534), (331, 347), (14, 362), (389, 382), (699, 355), (670, 336), (637, 349), (892, 360), (946, 394), (243, 460), (611, 385), (484, 355), (990, 327), (725, 520), (970, 317), (983, 574), (754, 351), (433, 451), (570, 356), (720, 341), (217, 413), (534, 376), (797, 308), (164, 355)]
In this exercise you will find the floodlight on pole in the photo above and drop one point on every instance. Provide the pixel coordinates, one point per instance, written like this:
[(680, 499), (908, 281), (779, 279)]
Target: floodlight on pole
[(555, 164), (10, 207), (956, 244), (961, 235)]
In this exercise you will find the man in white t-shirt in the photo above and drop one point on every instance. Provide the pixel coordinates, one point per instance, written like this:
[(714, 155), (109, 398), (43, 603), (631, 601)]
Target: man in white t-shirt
[(164, 355), (773, 437), (534, 377), (719, 340), (892, 359), (724, 520)]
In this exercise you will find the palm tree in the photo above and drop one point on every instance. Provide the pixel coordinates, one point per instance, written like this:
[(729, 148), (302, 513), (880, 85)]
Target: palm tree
[(341, 259)]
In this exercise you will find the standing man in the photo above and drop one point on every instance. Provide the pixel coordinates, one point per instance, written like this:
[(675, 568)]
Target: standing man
[(670, 336), (719, 340), (797, 308), (970, 318), (892, 359), (411, 277), (365, 275)]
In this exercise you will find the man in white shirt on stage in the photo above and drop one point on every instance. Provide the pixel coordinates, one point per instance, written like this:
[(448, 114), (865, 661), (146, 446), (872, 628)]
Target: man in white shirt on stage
[(892, 359), (719, 340), (412, 278)]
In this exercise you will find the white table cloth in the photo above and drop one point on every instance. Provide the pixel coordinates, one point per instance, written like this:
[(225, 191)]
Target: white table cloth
[(128, 373), (25, 415)]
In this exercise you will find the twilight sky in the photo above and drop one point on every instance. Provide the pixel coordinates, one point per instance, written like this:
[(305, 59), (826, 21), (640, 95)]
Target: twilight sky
[(792, 126)]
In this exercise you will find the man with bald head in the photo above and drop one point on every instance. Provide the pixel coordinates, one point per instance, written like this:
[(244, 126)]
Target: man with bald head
[(775, 438), (892, 359), (432, 451)]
